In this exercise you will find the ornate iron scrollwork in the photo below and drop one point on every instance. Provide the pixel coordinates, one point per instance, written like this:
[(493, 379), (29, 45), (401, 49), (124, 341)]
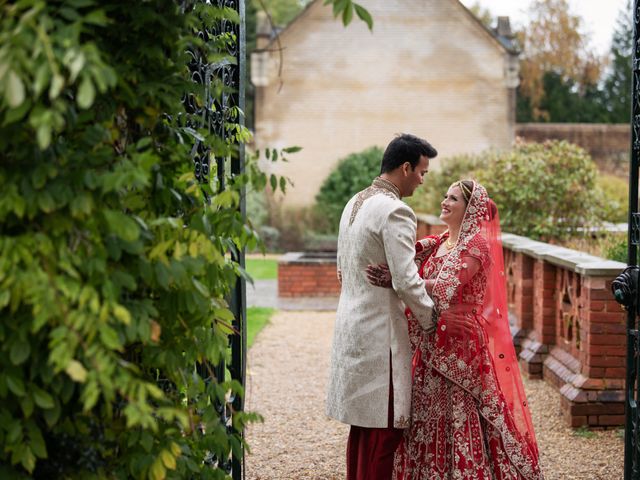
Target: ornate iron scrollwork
[(625, 286), (218, 112), (635, 229)]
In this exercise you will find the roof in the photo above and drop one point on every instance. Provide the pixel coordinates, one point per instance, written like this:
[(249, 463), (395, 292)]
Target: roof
[(501, 33)]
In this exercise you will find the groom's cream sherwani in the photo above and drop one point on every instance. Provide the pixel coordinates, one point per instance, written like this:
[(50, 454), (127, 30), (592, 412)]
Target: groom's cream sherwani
[(376, 227)]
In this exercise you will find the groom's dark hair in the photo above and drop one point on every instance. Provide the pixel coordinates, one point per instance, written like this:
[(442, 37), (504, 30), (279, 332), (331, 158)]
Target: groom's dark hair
[(405, 148)]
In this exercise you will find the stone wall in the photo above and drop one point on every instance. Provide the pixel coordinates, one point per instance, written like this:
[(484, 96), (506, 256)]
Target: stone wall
[(436, 72), (607, 144)]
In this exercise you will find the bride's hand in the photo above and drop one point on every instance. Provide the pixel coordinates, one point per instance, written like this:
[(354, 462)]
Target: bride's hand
[(462, 326), (379, 275)]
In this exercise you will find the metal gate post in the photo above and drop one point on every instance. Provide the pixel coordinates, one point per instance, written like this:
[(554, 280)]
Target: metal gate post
[(631, 444)]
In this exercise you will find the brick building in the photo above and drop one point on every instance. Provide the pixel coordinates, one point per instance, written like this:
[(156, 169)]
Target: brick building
[(429, 67)]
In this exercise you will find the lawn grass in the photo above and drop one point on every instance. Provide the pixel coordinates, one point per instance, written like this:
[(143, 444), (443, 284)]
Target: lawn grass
[(262, 268), (257, 318)]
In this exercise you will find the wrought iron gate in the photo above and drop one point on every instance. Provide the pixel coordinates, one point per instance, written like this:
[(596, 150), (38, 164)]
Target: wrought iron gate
[(632, 425), (223, 83)]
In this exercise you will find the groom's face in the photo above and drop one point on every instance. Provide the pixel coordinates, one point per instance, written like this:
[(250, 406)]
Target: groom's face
[(414, 177)]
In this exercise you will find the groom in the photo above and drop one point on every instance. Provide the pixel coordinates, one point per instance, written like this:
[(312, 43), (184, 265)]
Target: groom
[(370, 377)]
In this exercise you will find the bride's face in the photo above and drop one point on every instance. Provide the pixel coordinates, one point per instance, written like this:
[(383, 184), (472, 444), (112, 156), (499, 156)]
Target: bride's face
[(453, 206)]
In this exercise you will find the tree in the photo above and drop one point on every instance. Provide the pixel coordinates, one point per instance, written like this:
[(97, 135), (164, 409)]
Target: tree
[(483, 14), (553, 42), (617, 84), (563, 102)]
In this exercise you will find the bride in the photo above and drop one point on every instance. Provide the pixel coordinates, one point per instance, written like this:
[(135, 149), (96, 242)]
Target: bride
[(469, 413)]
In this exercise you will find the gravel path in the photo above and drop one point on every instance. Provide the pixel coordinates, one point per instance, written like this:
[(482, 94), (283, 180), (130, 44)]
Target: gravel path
[(287, 375)]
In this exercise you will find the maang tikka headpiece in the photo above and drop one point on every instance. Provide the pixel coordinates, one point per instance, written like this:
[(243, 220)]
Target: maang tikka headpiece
[(466, 193)]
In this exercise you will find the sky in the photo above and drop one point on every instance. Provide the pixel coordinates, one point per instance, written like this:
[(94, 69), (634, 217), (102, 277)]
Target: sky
[(599, 16)]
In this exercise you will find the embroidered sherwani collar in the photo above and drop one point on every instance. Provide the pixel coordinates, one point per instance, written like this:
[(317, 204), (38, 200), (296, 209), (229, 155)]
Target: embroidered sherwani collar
[(380, 182), (379, 185)]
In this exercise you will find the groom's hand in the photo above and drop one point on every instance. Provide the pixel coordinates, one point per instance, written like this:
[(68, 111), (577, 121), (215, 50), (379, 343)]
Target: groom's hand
[(379, 275)]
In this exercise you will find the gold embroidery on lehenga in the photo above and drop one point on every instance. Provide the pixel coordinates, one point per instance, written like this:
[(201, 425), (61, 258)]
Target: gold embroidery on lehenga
[(460, 426)]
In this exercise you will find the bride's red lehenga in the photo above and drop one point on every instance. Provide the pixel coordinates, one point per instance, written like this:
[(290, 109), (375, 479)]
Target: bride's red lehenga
[(470, 418)]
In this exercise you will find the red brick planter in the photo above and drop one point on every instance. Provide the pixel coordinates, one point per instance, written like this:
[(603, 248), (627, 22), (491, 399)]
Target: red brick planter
[(308, 274)]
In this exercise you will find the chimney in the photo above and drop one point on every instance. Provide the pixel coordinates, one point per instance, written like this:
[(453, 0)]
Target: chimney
[(260, 57), (503, 28), (263, 30)]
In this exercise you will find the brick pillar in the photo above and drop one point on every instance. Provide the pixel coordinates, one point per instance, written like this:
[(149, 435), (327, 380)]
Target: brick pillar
[(523, 292), (519, 274), (589, 367), (535, 346), (603, 356)]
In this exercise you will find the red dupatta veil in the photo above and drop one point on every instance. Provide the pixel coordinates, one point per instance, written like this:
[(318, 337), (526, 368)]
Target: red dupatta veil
[(481, 219), (471, 283)]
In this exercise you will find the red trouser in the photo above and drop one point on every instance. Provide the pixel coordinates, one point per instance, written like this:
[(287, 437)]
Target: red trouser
[(370, 450)]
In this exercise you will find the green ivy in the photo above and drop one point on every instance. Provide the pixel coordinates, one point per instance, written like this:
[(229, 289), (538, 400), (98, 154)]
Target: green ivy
[(114, 260)]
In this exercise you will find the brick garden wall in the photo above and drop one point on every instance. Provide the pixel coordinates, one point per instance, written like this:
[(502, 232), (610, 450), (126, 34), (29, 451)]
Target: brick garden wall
[(577, 339), (607, 144)]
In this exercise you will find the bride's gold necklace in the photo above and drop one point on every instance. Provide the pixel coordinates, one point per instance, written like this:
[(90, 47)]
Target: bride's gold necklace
[(448, 244)]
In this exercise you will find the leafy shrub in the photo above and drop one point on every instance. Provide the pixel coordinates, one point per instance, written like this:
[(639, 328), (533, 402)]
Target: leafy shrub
[(114, 266), (545, 191), (616, 248), (615, 191), (352, 174), (320, 241), (611, 245), (290, 228), (256, 205), (270, 238), (548, 191)]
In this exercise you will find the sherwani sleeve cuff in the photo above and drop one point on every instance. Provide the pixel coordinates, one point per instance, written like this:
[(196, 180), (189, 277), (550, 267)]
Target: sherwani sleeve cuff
[(399, 236)]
